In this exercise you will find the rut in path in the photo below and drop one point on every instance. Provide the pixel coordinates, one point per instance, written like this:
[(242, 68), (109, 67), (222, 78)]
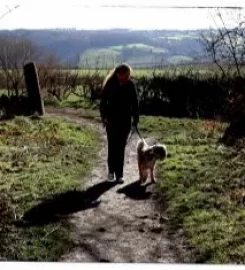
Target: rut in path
[(124, 225)]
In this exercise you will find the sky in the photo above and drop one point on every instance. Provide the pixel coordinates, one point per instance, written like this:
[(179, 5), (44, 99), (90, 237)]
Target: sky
[(98, 14)]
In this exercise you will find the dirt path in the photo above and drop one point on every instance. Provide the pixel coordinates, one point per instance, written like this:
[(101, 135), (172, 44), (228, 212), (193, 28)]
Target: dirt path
[(124, 226)]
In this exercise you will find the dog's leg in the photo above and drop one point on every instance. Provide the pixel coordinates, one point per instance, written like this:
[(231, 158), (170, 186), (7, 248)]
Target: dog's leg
[(140, 171), (141, 174), (152, 176), (144, 176), (152, 173)]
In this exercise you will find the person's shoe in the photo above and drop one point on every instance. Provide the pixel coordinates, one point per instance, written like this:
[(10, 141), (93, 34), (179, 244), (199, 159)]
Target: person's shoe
[(110, 177), (119, 180)]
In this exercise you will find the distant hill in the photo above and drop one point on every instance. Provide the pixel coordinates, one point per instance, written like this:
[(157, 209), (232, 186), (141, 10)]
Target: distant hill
[(105, 48)]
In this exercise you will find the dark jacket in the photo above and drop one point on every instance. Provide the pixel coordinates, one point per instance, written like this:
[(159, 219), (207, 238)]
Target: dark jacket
[(119, 103)]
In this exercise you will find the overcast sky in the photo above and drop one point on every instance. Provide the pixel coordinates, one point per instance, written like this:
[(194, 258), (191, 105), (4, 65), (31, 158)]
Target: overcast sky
[(92, 14)]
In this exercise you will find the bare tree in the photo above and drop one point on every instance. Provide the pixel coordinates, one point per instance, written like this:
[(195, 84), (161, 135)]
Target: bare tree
[(226, 46), (57, 80), (15, 52)]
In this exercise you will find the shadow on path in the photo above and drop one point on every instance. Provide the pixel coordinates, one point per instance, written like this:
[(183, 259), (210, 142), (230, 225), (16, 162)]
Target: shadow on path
[(61, 205), (136, 191)]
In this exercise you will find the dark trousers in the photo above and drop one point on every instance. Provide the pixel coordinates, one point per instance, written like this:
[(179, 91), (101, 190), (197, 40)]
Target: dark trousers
[(117, 139)]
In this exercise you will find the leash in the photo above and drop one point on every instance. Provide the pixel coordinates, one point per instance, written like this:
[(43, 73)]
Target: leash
[(132, 132), (136, 129)]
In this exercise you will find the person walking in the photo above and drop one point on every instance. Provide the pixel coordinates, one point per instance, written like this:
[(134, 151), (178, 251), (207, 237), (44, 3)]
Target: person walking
[(119, 111)]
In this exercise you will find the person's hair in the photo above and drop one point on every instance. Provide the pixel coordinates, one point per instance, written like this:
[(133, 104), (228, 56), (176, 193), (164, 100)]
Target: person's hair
[(122, 68)]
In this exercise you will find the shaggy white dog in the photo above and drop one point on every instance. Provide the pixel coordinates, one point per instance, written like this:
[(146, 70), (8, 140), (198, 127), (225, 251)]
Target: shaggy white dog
[(147, 157)]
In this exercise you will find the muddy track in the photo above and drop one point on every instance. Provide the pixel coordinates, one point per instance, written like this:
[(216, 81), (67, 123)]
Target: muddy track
[(124, 224)]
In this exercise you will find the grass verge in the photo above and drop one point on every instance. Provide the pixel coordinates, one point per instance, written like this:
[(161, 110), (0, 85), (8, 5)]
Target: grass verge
[(203, 187), (73, 101), (80, 107), (39, 158)]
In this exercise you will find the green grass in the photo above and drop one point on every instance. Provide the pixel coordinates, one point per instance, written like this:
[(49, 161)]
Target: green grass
[(73, 101), (108, 56), (201, 187), (99, 57), (140, 47), (79, 102), (208, 71), (85, 108), (39, 158), (179, 59)]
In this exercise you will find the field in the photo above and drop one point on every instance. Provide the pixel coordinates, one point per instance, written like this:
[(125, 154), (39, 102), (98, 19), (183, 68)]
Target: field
[(207, 70), (137, 54), (172, 69)]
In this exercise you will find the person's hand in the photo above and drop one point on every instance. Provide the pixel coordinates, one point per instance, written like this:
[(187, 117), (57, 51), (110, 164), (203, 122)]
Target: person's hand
[(104, 122), (134, 123), (134, 127)]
